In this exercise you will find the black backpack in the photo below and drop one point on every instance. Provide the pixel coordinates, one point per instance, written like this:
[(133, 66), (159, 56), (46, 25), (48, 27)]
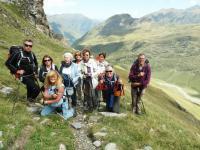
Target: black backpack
[(137, 61), (67, 81), (14, 50)]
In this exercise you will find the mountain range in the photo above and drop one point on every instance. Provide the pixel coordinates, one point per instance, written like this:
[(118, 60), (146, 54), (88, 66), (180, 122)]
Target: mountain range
[(170, 38), (71, 26), (175, 16)]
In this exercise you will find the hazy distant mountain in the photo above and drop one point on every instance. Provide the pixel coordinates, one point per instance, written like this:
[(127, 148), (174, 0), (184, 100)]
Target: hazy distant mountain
[(72, 26), (177, 16)]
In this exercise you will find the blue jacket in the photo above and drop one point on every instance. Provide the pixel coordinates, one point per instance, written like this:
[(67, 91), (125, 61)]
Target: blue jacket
[(71, 70)]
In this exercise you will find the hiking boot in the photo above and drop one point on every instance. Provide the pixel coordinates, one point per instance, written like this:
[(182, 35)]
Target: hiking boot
[(75, 113), (31, 100), (138, 112), (31, 104)]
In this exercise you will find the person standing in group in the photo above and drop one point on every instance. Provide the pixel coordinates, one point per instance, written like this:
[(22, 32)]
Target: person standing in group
[(53, 97), (77, 61), (24, 64), (70, 74), (101, 64), (90, 79), (139, 76), (47, 65)]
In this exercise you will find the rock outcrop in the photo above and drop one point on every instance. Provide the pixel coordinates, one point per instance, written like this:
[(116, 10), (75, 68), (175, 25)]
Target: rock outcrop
[(34, 12)]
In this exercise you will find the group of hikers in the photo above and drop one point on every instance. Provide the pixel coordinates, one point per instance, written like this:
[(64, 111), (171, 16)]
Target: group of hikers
[(80, 79)]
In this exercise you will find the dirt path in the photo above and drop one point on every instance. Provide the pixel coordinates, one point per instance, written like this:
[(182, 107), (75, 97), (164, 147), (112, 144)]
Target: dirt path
[(82, 141)]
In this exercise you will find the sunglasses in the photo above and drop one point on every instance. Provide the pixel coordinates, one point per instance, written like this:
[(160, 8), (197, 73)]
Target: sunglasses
[(26, 45), (47, 60), (109, 71)]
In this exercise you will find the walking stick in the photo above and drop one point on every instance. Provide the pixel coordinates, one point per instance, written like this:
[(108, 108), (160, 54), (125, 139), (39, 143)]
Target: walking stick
[(37, 83), (139, 94), (143, 105), (15, 97)]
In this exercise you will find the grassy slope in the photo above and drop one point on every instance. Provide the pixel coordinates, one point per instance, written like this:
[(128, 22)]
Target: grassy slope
[(171, 127), (165, 126), (12, 126), (173, 50), (192, 108)]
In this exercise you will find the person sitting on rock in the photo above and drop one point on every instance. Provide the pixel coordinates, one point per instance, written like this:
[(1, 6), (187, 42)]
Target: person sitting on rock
[(110, 80), (54, 96)]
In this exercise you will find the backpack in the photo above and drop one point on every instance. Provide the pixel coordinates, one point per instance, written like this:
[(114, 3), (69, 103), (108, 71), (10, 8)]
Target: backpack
[(137, 61), (14, 50), (119, 89), (68, 83)]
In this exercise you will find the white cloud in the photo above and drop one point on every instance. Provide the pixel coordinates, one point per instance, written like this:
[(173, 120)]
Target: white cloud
[(194, 2), (58, 6)]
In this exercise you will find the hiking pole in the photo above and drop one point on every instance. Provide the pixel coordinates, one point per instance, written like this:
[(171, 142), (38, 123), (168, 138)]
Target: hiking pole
[(125, 103), (143, 105), (139, 93), (37, 83), (15, 97)]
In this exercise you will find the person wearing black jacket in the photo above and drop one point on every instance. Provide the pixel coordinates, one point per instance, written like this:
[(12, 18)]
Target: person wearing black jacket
[(25, 65), (47, 65)]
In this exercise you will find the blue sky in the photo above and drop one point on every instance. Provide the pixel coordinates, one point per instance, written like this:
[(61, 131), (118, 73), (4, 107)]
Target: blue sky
[(102, 9)]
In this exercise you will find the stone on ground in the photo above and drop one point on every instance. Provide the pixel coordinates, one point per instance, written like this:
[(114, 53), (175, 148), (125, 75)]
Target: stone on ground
[(62, 147), (76, 125), (110, 114), (97, 143), (6, 90), (111, 146)]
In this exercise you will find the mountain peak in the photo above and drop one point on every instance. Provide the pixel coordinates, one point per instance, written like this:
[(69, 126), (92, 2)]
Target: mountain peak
[(117, 25)]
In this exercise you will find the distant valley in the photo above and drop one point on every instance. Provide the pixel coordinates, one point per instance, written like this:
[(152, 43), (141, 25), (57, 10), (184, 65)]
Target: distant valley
[(71, 26)]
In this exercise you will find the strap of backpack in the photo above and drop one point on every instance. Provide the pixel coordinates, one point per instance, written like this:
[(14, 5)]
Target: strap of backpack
[(53, 66), (122, 90), (21, 55)]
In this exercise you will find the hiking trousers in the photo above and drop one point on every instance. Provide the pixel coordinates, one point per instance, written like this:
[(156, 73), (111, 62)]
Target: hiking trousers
[(79, 89), (32, 87), (89, 94), (136, 95), (113, 103)]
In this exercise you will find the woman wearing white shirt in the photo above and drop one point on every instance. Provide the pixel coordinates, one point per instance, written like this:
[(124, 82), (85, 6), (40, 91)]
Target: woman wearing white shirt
[(90, 74)]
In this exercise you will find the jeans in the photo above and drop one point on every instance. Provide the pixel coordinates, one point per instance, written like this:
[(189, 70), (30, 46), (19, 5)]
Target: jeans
[(66, 111)]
